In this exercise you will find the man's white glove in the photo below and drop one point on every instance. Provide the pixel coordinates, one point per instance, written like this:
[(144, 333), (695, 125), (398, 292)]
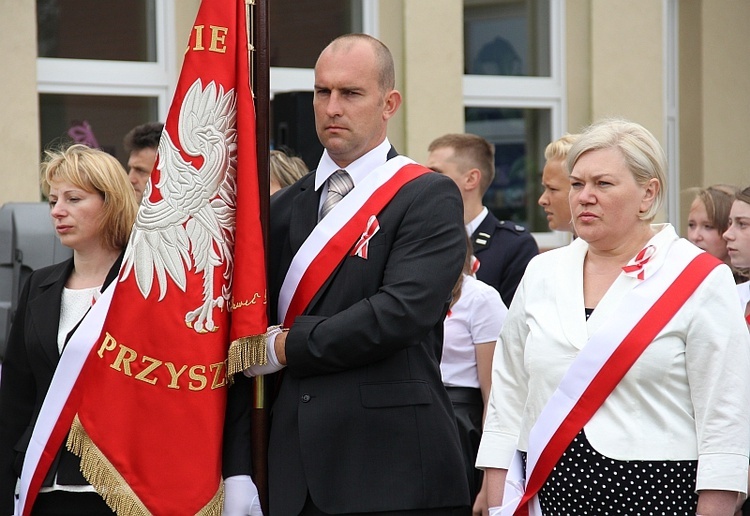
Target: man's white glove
[(241, 497), (273, 364)]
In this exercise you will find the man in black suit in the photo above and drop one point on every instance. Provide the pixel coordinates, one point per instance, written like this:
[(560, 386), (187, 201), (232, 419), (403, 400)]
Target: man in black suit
[(503, 248), (362, 422)]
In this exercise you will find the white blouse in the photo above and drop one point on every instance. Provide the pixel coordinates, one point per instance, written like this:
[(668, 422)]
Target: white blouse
[(476, 318), (685, 398), (75, 303)]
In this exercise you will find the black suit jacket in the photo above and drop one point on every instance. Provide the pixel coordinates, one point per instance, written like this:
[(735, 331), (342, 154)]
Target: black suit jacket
[(362, 421), (503, 249), (29, 365)]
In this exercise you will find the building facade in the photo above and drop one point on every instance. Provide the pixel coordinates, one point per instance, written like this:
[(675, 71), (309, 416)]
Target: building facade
[(518, 72)]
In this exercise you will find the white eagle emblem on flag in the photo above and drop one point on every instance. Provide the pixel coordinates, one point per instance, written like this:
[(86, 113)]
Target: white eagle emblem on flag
[(192, 226)]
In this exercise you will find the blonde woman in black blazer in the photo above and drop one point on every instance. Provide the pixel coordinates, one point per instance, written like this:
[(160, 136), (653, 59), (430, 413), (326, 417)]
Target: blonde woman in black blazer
[(92, 207)]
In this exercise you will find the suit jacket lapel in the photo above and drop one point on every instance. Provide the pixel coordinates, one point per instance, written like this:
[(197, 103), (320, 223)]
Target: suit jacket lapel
[(569, 277), (305, 217), (47, 305), (304, 214)]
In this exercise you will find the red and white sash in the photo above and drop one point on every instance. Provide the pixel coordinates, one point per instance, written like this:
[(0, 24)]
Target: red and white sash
[(599, 367), (56, 414), (352, 219)]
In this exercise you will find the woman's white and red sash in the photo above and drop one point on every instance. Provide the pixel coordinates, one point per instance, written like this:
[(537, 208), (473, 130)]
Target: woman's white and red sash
[(59, 406), (601, 364), (352, 222)]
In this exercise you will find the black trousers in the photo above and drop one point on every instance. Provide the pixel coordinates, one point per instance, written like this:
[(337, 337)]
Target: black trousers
[(468, 405), (65, 503), (311, 510)]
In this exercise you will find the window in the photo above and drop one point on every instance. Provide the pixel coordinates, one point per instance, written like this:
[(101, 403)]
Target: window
[(514, 97), (519, 137), (99, 121), (305, 29), (92, 29), (102, 68), (300, 30), (503, 37)]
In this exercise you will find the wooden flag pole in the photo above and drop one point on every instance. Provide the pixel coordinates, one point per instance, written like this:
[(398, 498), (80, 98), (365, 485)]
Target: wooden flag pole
[(260, 77)]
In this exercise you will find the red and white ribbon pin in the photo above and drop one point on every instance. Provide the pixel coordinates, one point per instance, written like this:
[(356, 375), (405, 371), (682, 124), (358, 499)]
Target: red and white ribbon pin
[(361, 247), (641, 259)]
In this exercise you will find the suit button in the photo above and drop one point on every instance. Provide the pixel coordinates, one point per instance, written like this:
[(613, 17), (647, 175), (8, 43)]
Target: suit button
[(305, 398)]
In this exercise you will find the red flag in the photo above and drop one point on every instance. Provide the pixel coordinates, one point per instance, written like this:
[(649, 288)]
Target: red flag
[(150, 398)]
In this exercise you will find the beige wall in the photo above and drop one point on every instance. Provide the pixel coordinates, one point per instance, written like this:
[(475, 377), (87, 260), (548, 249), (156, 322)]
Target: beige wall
[(691, 105), (726, 91), (714, 88), (613, 66), (392, 34), (185, 11), (627, 63), (578, 63), (433, 81), (19, 111), (432, 85)]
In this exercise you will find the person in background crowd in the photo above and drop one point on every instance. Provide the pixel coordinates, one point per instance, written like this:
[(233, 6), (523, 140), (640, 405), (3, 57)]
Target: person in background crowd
[(93, 209), (286, 169), (556, 184), (141, 144), (737, 237), (503, 248), (708, 219), (471, 328), (624, 356), (363, 256)]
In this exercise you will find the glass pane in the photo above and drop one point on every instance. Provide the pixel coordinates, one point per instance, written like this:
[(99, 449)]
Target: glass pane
[(92, 29), (520, 137), (300, 30), (507, 37), (98, 121)]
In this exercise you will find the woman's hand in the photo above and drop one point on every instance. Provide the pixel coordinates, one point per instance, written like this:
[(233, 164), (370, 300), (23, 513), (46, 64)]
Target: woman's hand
[(717, 503)]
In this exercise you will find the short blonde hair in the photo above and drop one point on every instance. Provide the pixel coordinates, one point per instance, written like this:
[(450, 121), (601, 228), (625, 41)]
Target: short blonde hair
[(641, 151), (558, 149), (286, 169), (95, 171)]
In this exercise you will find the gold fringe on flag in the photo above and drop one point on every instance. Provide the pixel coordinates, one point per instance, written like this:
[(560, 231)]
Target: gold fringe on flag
[(245, 352), (117, 494)]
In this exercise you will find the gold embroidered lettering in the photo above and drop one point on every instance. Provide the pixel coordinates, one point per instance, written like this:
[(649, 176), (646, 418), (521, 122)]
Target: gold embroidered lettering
[(108, 344), (124, 361), (143, 374), (174, 374), (198, 38), (198, 377), (220, 380), (218, 36)]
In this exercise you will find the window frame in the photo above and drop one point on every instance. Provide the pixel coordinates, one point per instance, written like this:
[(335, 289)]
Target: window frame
[(531, 93), (119, 78)]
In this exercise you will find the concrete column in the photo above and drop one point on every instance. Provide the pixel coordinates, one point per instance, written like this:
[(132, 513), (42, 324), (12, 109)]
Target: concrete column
[(19, 108)]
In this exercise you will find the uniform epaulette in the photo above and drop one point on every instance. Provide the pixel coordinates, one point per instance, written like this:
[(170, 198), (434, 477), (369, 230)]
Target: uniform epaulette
[(506, 224)]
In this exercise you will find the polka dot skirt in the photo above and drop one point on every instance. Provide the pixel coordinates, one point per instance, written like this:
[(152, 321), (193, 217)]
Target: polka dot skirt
[(586, 482)]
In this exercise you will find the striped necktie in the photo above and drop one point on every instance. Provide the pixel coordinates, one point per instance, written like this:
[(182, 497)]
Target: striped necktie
[(339, 184)]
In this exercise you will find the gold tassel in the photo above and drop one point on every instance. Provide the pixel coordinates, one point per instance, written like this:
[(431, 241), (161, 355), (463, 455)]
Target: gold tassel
[(110, 485), (216, 505), (245, 352)]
